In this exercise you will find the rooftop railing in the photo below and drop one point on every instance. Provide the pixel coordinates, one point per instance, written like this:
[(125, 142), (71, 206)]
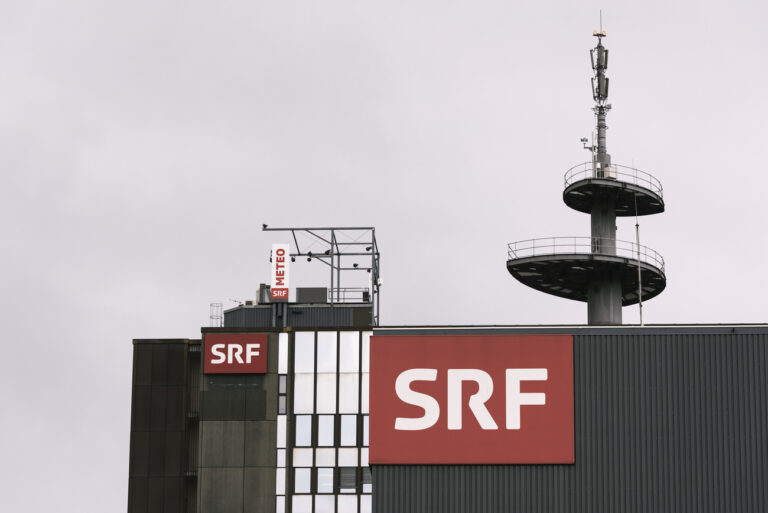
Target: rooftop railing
[(584, 245), (349, 295), (617, 172)]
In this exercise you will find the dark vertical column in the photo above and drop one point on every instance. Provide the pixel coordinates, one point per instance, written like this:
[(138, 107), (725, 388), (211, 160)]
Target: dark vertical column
[(156, 481), (604, 299), (604, 292)]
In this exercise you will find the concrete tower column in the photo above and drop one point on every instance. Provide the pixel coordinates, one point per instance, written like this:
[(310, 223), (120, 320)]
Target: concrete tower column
[(604, 292)]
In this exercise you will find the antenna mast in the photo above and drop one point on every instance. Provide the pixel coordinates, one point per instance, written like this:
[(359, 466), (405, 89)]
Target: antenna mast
[(604, 272)]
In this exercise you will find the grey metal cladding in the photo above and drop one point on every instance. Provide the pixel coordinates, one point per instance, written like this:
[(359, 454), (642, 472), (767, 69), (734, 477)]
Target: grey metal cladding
[(311, 295), (222, 405), (245, 317), (663, 422), (299, 316), (157, 426)]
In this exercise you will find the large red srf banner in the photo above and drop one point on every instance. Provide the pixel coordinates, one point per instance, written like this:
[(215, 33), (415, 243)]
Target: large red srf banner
[(471, 399)]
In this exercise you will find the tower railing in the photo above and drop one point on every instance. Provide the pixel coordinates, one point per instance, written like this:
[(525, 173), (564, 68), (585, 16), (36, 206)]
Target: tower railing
[(584, 245), (587, 170)]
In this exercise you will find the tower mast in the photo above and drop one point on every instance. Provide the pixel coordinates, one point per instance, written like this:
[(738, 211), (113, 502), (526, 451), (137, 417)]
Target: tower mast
[(605, 273)]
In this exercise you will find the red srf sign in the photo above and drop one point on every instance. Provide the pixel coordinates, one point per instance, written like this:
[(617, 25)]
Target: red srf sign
[(235, 353), (471, 399)]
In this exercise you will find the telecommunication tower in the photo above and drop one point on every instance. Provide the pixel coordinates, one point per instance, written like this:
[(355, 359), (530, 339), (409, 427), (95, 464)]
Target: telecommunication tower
[(605, 272)]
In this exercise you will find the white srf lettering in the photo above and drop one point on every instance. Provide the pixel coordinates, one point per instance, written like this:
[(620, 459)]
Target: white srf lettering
[(235, 353), (426, 402), (476, 401), (216, 350), (456, 378), (251, 350), (516, 398)]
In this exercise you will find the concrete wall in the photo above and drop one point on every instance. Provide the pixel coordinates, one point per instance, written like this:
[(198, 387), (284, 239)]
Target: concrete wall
[(237, 434)]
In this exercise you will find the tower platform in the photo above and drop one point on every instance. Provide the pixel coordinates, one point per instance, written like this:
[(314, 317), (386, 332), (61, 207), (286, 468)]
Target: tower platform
[(566, 266), (587, 181)]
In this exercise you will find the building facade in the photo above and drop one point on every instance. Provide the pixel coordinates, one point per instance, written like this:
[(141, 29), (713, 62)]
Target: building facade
[(291, 439), (665, 418)]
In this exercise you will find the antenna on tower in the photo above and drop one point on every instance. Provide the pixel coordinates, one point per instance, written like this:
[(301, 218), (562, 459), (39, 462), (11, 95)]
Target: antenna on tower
[(604, 272)]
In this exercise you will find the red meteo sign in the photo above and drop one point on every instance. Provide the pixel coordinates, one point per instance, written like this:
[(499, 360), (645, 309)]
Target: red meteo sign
[(281, 256), (471, 399), (235, 353)]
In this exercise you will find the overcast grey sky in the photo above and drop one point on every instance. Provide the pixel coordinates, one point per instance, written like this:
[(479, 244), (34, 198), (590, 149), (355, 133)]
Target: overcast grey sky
[(143, 143)]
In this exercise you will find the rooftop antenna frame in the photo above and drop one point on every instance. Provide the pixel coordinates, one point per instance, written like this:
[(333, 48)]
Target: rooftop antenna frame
[(337, 256)]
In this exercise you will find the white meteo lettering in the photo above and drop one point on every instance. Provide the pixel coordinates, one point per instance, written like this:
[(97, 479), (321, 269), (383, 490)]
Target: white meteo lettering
[(281, 264), (280, 267), (456, 377), (234, 353)]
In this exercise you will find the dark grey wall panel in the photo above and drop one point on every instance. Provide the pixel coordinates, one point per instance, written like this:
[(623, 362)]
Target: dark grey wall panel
[(299, 316), (259, 490), (248, 317), (260, 442), (221, 490), (222, 444), (157, 449), (674, 422), (137, 494)]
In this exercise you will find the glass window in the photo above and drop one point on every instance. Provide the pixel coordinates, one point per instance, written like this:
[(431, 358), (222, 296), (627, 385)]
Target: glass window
[(367, 481), (326, 393), (365, 430), (303, 430), (303, 393), (347, 504), (325, 457), (366, 350), (281, 457), (349, 351), (302, 504), (281, 430), (280, 481), (281, 404), (302, 480), (325, 430), (324, 503), (365, 503), (282, 353), (365, 393), (348, 393), (280, 505), (326, 351), (325, 481), (302, 457), (364, 457), (304, 357), (347, 480), (282, 387), (348, 457), (348, 430)]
